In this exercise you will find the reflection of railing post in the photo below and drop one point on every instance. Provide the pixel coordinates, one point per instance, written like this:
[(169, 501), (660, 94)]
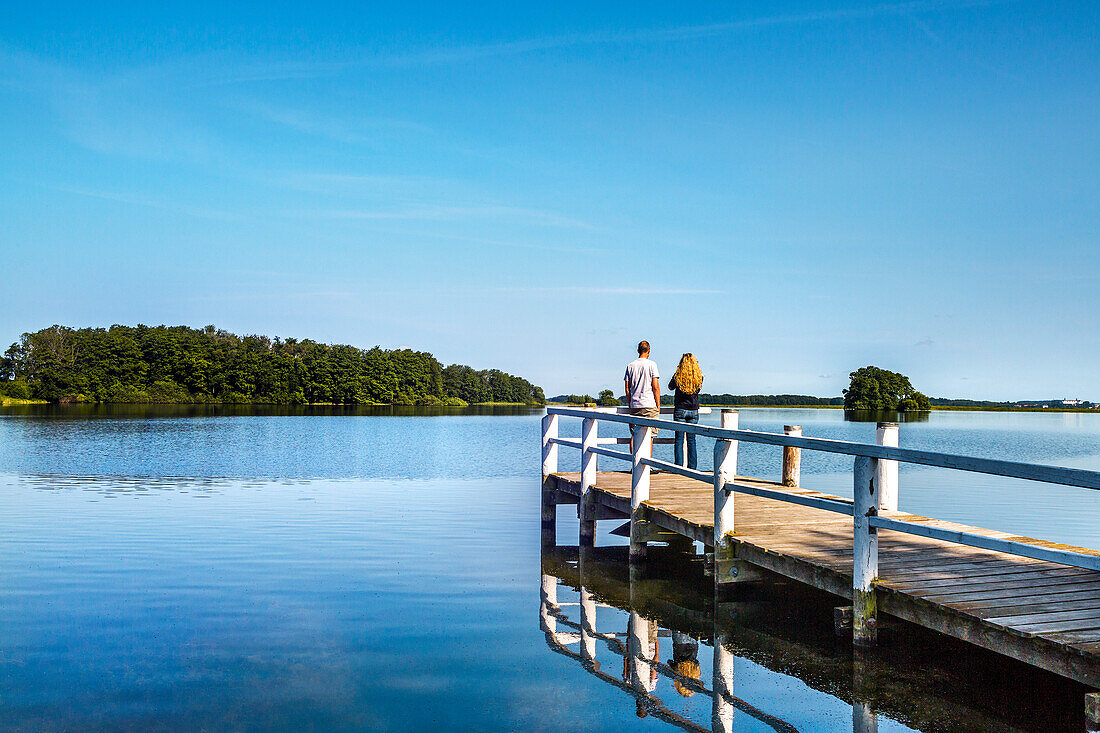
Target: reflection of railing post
[(865, 553), (549, 466), (886, 477), (589, 439), (864, 719), (725, 468), (548, 601), (588, 625), (641, 447), (637, 647), (792, 458), (722, 685)]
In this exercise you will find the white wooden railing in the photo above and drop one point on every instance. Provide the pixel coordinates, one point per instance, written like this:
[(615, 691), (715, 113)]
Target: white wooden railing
[(875, 489)]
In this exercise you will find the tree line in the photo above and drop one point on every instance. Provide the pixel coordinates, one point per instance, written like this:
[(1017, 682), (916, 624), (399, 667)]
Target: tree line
[(178, 364)]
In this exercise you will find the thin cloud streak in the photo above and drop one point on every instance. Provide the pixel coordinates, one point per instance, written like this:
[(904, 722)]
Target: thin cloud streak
[(603, 290), (451, 213)]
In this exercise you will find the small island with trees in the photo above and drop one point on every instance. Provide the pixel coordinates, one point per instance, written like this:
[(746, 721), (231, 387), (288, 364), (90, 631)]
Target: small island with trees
[(181, 365)]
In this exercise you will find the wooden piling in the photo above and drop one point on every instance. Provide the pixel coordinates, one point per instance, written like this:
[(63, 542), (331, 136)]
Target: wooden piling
[(792, 458), (865, 559), (1092, 710), (886, 477)]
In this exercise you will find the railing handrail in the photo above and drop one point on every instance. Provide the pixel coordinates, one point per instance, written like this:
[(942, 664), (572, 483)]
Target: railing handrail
[(1011, 469)]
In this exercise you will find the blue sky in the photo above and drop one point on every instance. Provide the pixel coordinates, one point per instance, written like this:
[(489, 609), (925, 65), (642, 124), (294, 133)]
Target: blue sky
[(789, 190)]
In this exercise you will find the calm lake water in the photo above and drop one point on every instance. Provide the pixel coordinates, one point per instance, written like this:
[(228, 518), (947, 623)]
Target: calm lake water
[(165, 569)]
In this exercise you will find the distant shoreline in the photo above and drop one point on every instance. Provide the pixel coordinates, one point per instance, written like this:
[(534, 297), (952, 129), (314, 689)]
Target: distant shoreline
[(934, 408)]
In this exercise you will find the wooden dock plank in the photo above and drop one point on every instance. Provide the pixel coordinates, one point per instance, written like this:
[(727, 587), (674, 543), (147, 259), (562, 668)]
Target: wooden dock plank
[(1041, 612)]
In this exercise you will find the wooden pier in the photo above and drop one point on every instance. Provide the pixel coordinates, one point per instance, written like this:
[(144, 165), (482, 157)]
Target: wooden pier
[(1031, 600)]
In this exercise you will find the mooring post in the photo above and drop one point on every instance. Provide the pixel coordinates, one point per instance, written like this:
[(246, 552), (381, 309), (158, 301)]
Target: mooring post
[(548, 602), (641, 447), (549, 466), (865, 555), (886, 477), (725, 469), (721, 715), (792, 458), (589, 439)]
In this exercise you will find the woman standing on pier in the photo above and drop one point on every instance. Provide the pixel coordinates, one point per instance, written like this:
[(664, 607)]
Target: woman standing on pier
[(687, 381)]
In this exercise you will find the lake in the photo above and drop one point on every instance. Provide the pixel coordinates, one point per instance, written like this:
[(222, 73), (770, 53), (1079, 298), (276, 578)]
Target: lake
[(326, 569)]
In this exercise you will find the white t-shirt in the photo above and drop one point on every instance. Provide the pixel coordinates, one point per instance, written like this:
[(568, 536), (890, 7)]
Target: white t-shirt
[(640, 374)]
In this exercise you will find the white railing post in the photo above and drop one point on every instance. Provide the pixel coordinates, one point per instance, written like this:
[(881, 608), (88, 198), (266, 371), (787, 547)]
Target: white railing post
[(549, 450), (641, 447), (886, 477), (589, 439), (725, 468), (549, 466), (865, 555), (792, 458)]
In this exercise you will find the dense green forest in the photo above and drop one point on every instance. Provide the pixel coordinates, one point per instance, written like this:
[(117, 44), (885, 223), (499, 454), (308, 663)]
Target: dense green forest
[(177, 364)]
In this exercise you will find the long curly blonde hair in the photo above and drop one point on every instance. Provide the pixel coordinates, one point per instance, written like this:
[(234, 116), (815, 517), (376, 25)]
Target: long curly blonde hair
[(688, 376)]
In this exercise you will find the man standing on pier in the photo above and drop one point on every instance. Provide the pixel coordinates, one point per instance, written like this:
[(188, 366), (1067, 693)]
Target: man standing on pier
[(643, 388)]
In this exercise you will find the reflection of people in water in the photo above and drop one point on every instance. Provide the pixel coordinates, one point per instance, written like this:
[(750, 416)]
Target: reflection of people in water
[(685, 661)]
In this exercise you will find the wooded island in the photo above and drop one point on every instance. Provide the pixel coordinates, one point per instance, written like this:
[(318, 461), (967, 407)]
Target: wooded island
[(178, 364)]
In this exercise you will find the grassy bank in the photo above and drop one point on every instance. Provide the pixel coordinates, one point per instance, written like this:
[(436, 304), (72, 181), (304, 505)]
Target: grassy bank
[(6, 401)]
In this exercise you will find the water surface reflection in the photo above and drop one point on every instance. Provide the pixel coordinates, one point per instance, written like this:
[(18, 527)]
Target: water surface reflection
[(768, 658)]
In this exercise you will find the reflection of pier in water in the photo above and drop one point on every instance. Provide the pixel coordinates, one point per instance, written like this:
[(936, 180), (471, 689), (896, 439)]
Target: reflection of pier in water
[(673, 603), (641, 660)]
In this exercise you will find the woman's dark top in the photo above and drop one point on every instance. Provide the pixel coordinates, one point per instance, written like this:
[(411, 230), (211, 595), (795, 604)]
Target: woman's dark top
[(684, 401)]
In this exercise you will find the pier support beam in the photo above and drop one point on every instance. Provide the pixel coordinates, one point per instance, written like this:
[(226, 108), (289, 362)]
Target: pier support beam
[(641, 447), (589, 439), (725, 468), (1092, 711), (549, 466), (886, 476), (792, 458), (865, 559)]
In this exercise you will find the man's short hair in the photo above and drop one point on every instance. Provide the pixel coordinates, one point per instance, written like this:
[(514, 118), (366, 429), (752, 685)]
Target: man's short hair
[(643, 347)]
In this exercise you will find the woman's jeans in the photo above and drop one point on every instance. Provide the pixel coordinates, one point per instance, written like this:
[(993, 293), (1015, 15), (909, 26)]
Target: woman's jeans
[(686, 416)]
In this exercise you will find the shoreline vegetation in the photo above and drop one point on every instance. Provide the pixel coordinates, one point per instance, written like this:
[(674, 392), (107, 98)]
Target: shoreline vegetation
[(181, 365)]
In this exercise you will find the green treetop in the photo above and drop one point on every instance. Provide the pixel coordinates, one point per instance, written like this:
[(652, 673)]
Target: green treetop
[(872, 388)]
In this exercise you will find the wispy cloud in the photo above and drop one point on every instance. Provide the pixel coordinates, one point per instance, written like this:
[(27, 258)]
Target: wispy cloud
[(472, 52), (611, 290), (133, 200), (452, 212)]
